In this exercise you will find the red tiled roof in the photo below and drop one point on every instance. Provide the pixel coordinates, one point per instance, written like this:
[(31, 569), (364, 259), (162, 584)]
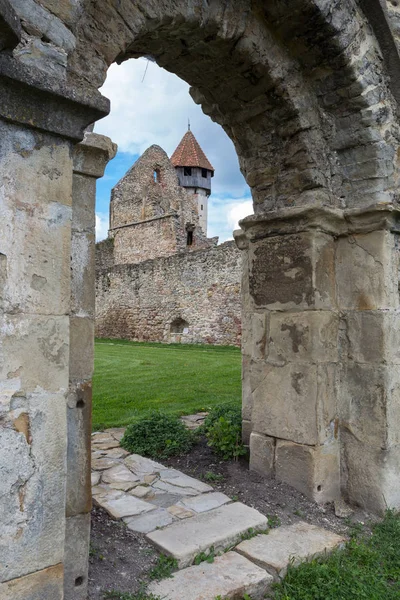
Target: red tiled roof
[(189, 154)]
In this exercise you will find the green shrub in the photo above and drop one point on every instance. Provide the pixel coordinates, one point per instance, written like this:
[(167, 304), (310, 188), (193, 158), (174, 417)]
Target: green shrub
[(228, 410), (157, 435), (223, 429)]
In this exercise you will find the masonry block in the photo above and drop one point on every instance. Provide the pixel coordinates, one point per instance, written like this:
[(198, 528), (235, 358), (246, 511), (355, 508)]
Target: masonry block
[(32, 464), (372, 474), (293, 272), (83, 274), (367, 271), (296, 401), (313, 470), (34, 352), (373, 336), (369, 403), (76, 559), (262, 454), (303, 336), (46, 584), (82, 349), (79, 422)]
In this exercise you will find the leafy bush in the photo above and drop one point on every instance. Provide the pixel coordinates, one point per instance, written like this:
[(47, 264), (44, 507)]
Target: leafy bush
[(157, 435), (223, 429), (228, 410)]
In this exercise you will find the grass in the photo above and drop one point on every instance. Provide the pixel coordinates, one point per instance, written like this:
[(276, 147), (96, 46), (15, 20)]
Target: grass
[(367, 569), (131, 378), (165, 567)]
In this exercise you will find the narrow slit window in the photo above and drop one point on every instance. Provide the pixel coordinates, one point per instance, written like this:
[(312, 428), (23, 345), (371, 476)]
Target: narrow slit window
[(204, 173), (187, 171), (201, 207), (189, 238), (156, 176)]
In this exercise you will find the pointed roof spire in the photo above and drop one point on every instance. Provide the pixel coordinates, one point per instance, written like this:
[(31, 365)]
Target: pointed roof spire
[(189, 153)]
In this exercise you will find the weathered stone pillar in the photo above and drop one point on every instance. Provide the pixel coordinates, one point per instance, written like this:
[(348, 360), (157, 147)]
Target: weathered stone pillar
[(320, 351), (39, 123), (90, 159)]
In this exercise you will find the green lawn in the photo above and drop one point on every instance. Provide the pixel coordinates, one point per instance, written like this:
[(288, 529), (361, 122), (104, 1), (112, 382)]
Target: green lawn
[(367, 569), (131, 377)]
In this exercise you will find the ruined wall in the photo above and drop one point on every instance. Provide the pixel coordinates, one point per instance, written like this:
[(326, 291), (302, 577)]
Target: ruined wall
[(150, 212), (139, 302)]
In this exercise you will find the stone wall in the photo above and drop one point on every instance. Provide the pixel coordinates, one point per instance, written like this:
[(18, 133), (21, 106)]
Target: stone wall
[(141, 301), (150, 213)]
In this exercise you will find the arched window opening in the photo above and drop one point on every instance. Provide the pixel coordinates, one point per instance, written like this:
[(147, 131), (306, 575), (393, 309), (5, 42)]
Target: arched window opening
[(179, 326), (156, 175), (189, 238)]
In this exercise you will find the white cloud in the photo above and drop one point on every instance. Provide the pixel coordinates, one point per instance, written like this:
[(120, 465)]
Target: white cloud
[(101, 226), (239, 211), (224, 214), (156, 111)]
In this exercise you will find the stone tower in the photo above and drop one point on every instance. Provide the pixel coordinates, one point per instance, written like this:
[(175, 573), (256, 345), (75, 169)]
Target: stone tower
[(194, 172)]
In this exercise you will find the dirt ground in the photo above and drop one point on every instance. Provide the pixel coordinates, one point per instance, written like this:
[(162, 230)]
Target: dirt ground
[(120, 559)]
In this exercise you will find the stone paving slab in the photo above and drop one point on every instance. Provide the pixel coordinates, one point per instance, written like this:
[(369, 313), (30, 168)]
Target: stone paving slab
[(220, 528), (229, 576), (204, 502), (124, 506), (295, 543), (118, 474), (149, 521)]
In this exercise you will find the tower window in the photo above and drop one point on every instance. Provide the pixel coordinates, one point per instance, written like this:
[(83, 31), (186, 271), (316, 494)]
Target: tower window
[(156, 175), (189, 238), (187, 171), (204, 173), (201, 207)]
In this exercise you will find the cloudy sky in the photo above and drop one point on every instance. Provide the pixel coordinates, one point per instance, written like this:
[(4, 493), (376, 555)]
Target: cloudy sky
[(153, 107)]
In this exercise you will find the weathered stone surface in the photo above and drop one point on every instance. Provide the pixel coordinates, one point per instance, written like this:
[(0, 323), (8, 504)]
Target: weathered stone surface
[(366, 268), (44, 23), (125, 506), (95, 478), (140, 491), (372, 474), (10, 27), (284, 545), (105, 445), (205, 502), (101, 464), (33, 475), (103, 438), (116, 453), (293, 272), (46, 584), (164, 499), (78, 497), (180, 512), (295, 401), (262, 454), (119, 474), (76, 559), (180, 480), (142, 466), (303, 336), (372, 336), (220, 528), (149, 521), (82, 348), (229, 576), (314, 471)]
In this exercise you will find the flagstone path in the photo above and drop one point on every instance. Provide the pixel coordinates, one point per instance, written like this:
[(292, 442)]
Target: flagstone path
[(184, 517)]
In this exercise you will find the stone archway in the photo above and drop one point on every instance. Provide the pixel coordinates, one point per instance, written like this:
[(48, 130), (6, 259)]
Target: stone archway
[(304, 91)]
